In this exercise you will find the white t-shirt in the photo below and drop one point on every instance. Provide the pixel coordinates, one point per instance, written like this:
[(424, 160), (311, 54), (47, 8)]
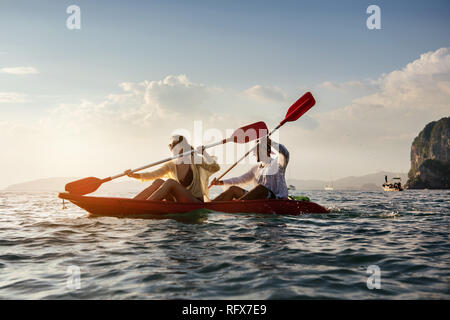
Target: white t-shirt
[(268, 174)]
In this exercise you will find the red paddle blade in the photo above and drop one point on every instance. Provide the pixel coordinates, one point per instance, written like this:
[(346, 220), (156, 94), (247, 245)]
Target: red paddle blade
[(249, 133), (299, 107), (84, 186)]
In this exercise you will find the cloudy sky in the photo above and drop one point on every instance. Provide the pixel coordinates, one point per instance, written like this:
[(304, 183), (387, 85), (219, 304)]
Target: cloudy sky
[(106, 97)]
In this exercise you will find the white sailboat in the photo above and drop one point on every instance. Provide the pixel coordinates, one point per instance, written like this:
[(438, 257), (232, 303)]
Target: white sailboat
[(329, 186)]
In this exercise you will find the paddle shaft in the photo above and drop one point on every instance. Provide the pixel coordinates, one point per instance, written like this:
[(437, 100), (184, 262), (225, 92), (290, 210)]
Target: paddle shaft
[(91, 184), (259, 125), (295, 111), (165, 160)]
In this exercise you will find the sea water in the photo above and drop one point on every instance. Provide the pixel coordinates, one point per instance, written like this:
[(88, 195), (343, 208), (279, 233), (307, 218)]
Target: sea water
[(373, 245)]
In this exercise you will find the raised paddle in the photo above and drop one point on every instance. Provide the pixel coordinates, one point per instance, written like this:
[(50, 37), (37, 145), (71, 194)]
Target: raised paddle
[(242, 135), (294, 112)]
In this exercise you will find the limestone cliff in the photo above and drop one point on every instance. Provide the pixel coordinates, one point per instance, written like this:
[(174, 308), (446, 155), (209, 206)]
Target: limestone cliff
[(430, 157)]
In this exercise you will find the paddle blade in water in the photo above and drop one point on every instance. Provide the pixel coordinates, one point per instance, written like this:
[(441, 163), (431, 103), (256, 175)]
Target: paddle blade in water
[(249, 133), (84, 186), (300, 106)]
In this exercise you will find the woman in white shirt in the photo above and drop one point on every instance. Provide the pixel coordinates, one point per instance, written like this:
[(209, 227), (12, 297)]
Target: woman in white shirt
[(268, 176)]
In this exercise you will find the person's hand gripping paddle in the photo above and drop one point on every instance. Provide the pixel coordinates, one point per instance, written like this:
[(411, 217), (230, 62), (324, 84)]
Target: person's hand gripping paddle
[(294, 112)]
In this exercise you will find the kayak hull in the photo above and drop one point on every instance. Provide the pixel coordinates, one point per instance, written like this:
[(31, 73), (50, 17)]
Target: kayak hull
[(124, 207)]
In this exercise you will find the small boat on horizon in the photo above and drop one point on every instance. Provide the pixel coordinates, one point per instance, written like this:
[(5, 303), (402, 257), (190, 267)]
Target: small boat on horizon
[(394, 185), (329, 187)]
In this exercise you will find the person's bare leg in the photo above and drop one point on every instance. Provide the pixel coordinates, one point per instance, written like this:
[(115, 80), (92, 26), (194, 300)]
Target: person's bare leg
[(147, 192), (172, 187), (231, 193), (258, 192)]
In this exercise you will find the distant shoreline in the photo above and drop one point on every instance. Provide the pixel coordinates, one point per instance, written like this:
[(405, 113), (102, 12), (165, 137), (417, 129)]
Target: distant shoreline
[(369, 182)]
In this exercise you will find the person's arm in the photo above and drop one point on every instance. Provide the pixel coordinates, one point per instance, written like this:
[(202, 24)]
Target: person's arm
[(208, 162), (244, 179), (209, 158), (152, 175), (211, 167), (283, 157)]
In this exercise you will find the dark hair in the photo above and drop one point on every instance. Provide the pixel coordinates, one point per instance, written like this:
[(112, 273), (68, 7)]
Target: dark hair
[(173, 144)]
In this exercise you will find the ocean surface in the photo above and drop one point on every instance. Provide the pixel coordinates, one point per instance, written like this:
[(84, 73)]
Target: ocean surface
[(373, 245)]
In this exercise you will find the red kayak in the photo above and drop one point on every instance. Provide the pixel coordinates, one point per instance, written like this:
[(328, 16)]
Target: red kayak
[(124, 207)]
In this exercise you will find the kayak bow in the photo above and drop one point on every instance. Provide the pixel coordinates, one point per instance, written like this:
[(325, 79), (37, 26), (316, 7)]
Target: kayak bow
[(125, 207)]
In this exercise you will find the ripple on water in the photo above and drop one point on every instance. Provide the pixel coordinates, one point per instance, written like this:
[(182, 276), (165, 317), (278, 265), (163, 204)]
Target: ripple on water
[(230, 256)]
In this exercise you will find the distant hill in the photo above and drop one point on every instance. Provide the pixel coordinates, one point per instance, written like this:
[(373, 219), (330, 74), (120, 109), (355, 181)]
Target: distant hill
[(370, 187), (57, 185), (49, 184), (367, 182)]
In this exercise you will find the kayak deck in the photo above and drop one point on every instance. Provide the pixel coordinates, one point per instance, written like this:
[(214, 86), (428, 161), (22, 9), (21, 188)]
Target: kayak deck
[(123, 207)]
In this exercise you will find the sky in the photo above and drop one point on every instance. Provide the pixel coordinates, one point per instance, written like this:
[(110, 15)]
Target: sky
[(106, 97)]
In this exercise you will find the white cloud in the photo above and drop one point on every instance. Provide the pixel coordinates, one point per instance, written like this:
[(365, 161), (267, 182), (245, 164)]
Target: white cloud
[(131, 127), (350, 85), (20, 70), (266, 94), (144, 104), (125, 129), (13, 97), (406, 98), (308, 123), (173, 94), (376, 130), (176, 93)]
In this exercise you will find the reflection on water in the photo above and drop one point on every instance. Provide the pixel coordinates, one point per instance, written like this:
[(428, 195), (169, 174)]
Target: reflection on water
[(210, 255)]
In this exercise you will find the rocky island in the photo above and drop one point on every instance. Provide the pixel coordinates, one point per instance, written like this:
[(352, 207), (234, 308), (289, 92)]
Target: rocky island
[(430, 157)]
